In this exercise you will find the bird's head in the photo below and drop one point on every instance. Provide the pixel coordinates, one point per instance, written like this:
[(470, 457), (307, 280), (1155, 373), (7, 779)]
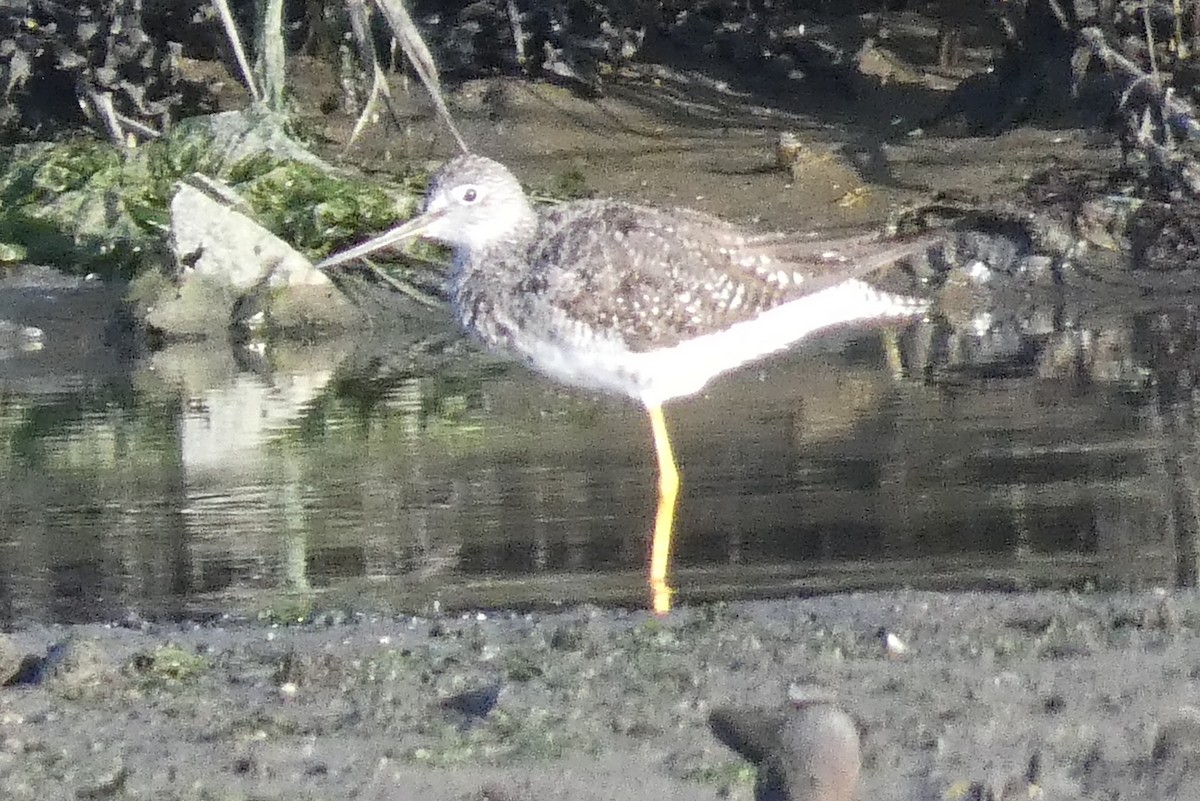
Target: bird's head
[(472, 204)]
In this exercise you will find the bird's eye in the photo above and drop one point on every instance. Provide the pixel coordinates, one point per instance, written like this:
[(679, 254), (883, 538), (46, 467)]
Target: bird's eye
[(469, 195)]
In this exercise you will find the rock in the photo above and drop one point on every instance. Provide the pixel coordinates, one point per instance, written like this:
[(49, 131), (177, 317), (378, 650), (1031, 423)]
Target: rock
[(10, 661), (819, 757), (230, 264), (201, 307), (807, 753), (82, 664), (72, 665), (213, 235)]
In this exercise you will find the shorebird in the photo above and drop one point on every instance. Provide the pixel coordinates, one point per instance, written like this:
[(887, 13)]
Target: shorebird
[(635, 300)]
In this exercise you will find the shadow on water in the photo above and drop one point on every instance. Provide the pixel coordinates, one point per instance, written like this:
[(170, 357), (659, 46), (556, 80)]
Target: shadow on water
[(410, 473)]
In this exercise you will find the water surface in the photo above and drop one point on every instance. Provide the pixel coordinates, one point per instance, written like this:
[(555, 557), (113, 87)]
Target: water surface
[(205, 480)]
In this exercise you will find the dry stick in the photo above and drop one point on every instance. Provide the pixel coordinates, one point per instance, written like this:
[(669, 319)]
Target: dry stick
[(360, 26), (518, 32), (272, 54), (231, 31), (1002, 13), (103, 105), (381, 89), (1061, 15), (1177, 114), (422, 60), (1149, 39), (139, 127), (1177, 45)]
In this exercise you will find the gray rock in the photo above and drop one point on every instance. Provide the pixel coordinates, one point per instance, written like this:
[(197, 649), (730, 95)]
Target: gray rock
[(230, 267), (10, 660), (819, 757), (809, 752)]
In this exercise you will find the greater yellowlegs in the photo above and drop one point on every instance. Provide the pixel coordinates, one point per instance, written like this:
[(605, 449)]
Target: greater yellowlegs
[(634, 300)]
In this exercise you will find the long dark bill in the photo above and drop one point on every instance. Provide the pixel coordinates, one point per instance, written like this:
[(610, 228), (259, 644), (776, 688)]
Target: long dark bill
[(401, 233)]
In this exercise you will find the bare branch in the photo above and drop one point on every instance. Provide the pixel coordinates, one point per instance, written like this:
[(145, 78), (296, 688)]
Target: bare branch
[(235, 40), (422, 60)]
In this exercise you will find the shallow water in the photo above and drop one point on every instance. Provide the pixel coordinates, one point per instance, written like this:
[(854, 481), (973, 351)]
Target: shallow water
[(202, 480), (1052, 447)]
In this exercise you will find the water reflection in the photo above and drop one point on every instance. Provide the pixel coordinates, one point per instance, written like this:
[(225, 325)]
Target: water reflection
[(203, 480)]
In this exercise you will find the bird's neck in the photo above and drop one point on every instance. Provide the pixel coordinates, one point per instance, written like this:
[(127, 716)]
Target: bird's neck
[(478, 260), (486, 276)]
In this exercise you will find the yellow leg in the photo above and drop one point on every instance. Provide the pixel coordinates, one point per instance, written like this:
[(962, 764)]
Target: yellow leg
[(664, 520)]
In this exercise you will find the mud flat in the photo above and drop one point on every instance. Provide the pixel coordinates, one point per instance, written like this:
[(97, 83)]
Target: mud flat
[(1095, 689)]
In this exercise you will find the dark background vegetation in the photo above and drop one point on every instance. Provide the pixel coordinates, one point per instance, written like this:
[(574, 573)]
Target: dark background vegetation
[(60, 62)]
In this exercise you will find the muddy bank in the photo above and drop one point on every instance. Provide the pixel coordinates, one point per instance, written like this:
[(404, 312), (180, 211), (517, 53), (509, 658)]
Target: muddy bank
[(613, 705)]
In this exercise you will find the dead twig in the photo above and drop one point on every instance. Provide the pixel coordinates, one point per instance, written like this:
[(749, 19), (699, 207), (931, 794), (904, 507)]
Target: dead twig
[(239, 52), (418, 55)]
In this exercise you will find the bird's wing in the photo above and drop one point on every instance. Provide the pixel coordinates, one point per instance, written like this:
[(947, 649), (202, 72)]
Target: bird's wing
[(654, 278)]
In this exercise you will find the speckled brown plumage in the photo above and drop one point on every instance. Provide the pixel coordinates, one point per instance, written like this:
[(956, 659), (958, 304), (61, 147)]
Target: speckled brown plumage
[(654, 278)]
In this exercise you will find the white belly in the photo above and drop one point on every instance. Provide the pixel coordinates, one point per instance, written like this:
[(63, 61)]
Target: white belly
[(653, 377)]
